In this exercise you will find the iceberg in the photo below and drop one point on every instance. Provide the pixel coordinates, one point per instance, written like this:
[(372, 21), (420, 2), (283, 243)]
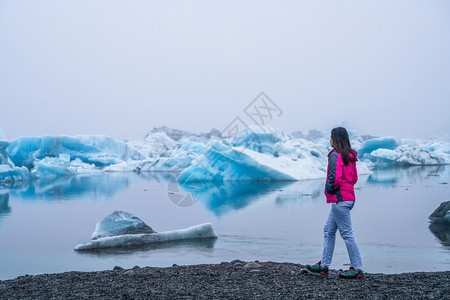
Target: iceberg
[(13, 174), (440, 223), (61, 166), (258, 153), (287, 160), (122, 229), (441, 214), (98, 150), (8, 171), (371, 145), (388, 151), (261, 139), (220, 162), (119, 223)]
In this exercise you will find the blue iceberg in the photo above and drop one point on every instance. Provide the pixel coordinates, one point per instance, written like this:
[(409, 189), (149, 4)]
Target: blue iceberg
[(388, 151), (219, 162), (377, 143), (100, 151), (261, 139), (256, 154), (8, 171)]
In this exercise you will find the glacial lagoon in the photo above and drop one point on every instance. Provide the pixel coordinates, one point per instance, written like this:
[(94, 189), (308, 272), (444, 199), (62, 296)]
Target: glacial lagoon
[(42, 221)]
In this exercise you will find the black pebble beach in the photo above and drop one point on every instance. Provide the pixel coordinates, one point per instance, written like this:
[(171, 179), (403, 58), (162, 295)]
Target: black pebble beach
[(227, 280)]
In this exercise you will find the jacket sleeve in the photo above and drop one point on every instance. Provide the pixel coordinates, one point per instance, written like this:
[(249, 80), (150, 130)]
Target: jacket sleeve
[(332, 182)]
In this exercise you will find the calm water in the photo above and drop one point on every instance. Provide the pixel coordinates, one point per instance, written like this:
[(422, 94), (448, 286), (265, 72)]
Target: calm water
[(41, 223)]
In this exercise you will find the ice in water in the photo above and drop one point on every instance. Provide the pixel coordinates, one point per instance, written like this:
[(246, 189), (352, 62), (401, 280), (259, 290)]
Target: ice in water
[(122, 229), (257, 153)]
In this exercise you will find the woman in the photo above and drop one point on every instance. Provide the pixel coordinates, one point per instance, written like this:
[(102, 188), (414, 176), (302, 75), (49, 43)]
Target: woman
[(339, 191)]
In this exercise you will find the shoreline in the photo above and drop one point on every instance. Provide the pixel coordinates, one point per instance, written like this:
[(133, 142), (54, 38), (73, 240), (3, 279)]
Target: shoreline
[(236, 279)]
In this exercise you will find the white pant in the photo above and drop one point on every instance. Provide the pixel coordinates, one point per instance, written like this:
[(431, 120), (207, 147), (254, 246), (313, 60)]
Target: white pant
[(339, 218)]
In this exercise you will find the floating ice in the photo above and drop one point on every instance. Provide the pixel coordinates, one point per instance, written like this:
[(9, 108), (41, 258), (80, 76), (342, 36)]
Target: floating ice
[(61, 166), (256, 154), (440, 223), (219, 162), (377, 143), (121, 229), (441, 214), (13, 174), (98, 150), (389, 151), (262, 139), (8, 171), (119, 223), (294, 160)]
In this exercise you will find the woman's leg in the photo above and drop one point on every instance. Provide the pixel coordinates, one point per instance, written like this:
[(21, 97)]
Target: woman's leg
[(343, 220), (329, 235)]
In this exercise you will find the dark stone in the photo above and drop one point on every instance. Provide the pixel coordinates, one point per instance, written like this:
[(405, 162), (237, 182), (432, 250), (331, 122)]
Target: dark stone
[(221, 281)]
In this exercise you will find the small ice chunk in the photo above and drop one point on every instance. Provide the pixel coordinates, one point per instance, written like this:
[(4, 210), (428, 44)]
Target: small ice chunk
[(122, 229), (441, 214), (120, 223), (201, 231)]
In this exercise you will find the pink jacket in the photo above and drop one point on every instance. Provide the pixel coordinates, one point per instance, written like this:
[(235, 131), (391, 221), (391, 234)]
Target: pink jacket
[(340, 178)]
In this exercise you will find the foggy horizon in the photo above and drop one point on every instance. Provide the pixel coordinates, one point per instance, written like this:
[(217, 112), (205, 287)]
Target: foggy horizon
[(120, 69)]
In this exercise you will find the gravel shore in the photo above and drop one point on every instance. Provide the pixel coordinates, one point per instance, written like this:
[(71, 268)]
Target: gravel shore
[(227, 280)]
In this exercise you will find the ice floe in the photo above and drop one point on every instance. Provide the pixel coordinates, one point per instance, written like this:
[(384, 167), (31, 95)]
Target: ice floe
[(122, 229)]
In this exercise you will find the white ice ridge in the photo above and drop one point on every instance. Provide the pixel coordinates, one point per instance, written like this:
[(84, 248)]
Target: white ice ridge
[(122, 229)]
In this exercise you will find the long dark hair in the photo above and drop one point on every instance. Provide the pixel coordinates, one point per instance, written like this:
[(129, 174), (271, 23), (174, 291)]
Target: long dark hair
[(341, 142)]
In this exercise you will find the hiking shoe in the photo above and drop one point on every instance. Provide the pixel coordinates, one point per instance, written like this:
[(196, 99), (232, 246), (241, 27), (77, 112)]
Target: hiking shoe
[(352, 273), (317, 268)]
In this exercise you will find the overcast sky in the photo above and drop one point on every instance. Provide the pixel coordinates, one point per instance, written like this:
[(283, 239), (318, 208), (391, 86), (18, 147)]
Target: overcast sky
[(121, 68)]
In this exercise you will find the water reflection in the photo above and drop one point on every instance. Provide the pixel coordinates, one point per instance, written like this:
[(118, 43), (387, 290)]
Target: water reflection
[(219, 198), (5, 209), (224, 197), (391, 176), (65, 188), (442, 233), (159, 176), (301, 191), (4, 204)]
